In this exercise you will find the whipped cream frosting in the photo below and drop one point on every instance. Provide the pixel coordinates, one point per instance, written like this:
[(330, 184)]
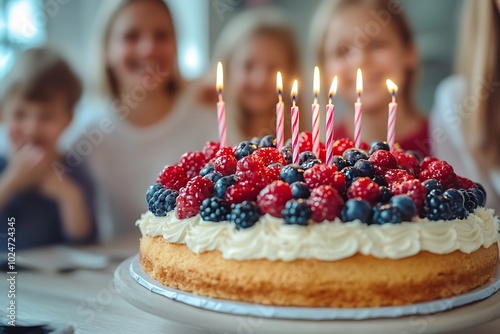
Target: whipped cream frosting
[(270, 238)]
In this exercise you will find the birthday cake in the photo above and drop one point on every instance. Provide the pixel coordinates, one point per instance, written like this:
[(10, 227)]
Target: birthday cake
[(378, 227)]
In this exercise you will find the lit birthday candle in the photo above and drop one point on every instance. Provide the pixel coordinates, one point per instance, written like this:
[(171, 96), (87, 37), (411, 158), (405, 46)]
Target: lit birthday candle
[(358, 113), (391, 120), (280, 113), (295, 124), (315, 113), (221, 107), (330, 115)]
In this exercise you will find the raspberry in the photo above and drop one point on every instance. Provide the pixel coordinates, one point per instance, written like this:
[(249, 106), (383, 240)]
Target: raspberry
[(270, 155), (305, 141), (382, 161), (412, 188), (273, 172), (225, 164), (426, 162), (408, 163), (225, 151), (173, 177), (325, 203), (324, 175), (187, 206), (199, 187), (340, 145), (466, 183), (252, 169), (394, 176), (364, 146), (239, 192), (210, 149), (443, 172), (322, 154), (364, 188), (273, 197), (193, 162)]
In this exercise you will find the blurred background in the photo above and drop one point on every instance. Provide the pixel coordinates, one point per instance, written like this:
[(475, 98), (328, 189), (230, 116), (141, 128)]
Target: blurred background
[(68, 25)]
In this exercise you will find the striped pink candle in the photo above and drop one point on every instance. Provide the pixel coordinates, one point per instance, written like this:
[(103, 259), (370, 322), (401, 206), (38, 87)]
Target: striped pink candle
[(330, 116), (315, 113), (358, 112), (391, 120), (280, 114), (295, 124), (221, 107)]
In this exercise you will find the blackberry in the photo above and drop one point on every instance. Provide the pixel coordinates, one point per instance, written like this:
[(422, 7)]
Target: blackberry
[(470, 202), (214, 177), (151, 191), (267, 141), (356, 209), (214, 209), (379, 145), (351, 174), (245, 214), (386, 214), (162, 201), (432, 184), (207, 170), (385, 194), (222, 184), (405, 205), (310, 163), (292, 173), (366, 168), (480, 197), (305, 156), (457, 203), (300, 190), (351, 155), (339, 162), (245, 148), (287, 152), (297, 212), (438, 207)]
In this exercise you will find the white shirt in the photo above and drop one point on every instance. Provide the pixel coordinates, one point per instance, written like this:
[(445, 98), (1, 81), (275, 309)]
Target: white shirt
[(448, 142), (128, 159)]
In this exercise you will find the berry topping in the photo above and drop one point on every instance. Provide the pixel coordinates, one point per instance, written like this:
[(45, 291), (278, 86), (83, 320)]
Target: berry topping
[(356, 209), (386, 214), (405, 205), (394, 176), (457, 203), (225, 164), (408, 163), (152, 190), (245, 148), (385, 195), (412, 188), (441, 171), (306, 156), (239, 192), (270, 155), (245, 214), (273, 197), (379, 145), (297, 212), (214, 209), (310, 163), (200, 187), (193, 162), (438, 207), (267, 141), (252, 169), (222, 184), (427, 161), (305, 141), (470, 202), (340, 145), (210, 149), (292, 173), (187, 206), (339, 162), (365, 167), (364, 188), (351, 173), (325, 203), (209, 168), (287, 153), (214, 177), (466, 183), (480, 197), (273, 171), (300, 190), (162, 201), (224, 152), (173, 177), (383, 161), (433, 185), (352, 155)]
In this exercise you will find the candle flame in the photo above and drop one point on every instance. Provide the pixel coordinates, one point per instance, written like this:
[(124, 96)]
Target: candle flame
[(333, 87), (294, 89), (359, 82), (316, 81), (391, 87), (219, 78), (279, 83)]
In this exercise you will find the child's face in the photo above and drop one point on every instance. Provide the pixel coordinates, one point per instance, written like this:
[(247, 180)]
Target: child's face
[(252, 73), (37, 123), (380, 56), (141, 41)]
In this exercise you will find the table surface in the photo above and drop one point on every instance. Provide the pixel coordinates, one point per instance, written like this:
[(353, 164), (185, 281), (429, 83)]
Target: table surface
[(88, 300)]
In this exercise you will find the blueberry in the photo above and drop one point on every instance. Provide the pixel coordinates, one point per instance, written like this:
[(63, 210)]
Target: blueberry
[(297, 212), (405, 205), (267, 141), (310, 163), (300, 190), (480, 198), (379, 179), (432, 184), (244, 149), (222, 184), (207, 170), (379, 145), (438, 208), (386, 214), (287, 152), (339, 162), (356, 209), (480, 187), (385, 194), (162, 201), (152, 190), (214, 209), (456, 197), (351, 174), (306, 156), (214, 177), (470, 201), (351, 155), (245, 214), (255, 140), (366, 168), (292, 173)]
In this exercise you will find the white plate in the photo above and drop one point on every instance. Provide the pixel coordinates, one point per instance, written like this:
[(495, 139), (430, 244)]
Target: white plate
[(215, 322)]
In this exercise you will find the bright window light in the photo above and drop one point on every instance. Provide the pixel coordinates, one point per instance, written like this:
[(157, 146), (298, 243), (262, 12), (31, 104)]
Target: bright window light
[(21, 21)]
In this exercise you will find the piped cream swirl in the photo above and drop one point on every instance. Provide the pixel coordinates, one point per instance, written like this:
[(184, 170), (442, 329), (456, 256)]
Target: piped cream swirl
[(271, 239)]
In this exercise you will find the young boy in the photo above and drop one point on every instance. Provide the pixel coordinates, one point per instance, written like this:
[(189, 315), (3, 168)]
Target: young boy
[(37, 99)]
